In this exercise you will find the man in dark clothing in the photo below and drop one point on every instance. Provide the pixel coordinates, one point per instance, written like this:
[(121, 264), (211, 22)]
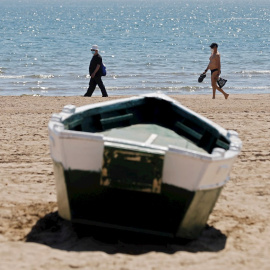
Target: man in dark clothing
[(95, 73)]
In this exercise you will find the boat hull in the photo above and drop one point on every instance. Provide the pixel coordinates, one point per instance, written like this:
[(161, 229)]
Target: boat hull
[(174, 212)]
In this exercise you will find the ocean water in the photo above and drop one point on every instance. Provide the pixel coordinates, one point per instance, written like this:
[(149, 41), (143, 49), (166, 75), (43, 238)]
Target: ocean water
[(146, 45)]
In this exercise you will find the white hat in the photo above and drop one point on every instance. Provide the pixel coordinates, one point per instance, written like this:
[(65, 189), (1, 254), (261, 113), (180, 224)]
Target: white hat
[(94, 48)]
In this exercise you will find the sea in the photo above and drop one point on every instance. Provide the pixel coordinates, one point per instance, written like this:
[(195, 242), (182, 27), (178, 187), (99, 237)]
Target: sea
[(147, 45)]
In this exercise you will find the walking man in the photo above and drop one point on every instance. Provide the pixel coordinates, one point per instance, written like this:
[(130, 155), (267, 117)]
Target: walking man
[(215, 67), (95, 73)]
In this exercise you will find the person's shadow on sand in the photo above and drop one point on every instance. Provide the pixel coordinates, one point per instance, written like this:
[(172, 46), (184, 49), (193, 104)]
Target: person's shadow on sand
[(58, 233)]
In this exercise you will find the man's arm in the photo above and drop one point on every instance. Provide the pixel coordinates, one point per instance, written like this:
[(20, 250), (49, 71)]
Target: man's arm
[(96, 70), (206, 69), (218, 63)]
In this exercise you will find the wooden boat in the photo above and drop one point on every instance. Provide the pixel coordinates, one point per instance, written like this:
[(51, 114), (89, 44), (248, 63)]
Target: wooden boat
[(145, 164)]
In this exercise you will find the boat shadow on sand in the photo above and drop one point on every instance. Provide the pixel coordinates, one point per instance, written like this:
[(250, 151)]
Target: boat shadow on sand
[(55, 232)]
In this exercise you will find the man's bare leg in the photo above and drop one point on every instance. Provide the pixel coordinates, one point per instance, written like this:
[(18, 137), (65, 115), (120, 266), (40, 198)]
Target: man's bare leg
[(214, 92), (214, 79), (214, 85), (223, 92)]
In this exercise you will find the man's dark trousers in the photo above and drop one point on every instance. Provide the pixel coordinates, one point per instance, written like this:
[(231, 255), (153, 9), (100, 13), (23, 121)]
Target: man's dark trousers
[(92, 86)]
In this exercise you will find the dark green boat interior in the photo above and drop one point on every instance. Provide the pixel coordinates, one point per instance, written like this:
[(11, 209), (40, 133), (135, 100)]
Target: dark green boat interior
[(149, 115)]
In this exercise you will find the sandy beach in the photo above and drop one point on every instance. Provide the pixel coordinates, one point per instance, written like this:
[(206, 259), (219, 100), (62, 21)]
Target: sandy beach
[(32, 236)]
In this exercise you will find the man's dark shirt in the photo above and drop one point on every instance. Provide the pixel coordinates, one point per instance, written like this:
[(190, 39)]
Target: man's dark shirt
[(96, 60)]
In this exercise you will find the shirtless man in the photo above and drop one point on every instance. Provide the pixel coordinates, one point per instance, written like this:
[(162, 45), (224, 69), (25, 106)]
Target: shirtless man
[(214, 66)]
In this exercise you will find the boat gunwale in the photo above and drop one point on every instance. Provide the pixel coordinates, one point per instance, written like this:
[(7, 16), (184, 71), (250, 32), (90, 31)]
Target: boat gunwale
[(195, 127), (85, 109)]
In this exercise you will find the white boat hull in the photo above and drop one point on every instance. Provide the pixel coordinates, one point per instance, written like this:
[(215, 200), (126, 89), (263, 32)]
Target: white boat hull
[(187, 183)]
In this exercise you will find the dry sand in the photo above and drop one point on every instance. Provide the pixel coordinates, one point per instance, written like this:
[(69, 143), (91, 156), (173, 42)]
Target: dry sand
[(32, 236)]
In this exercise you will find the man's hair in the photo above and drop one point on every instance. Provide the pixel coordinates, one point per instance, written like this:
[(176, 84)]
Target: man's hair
[(213, 45)]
